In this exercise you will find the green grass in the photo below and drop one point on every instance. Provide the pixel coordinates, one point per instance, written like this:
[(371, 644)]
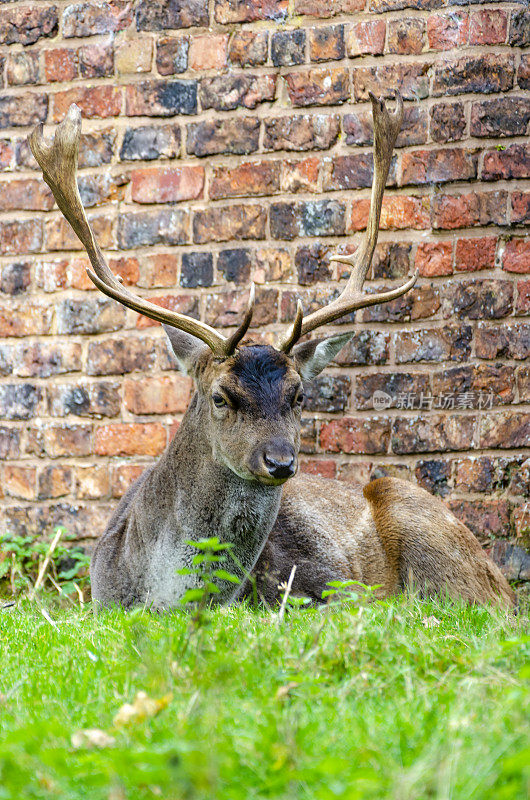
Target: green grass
[(336, 704)]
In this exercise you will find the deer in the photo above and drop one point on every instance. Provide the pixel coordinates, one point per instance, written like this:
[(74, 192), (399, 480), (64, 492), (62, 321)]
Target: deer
[(231, 470)]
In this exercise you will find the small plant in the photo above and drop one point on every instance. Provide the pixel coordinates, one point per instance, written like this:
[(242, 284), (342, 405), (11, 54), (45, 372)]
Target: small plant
[(26, 564), (207, 569), (353, 592)]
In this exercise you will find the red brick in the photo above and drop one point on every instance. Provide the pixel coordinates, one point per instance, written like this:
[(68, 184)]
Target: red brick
[(319, 86), (513, 162), (406, 36), (54, 481), (222, 224), (26, 24), (523, 297), (438, 166), (167, 185), (301, 132), (26, 195), (366, 38), (245, 180), (402, 211), (20, 482), (300, 176), (455, 211), (476, 253), (326, 44), (433, 433), (488, 26), (520, 207), (20, 237), (208, 51), (94, 102), (158, 395), (355, 435), (326, 468), (124, 476), (434, 259), (412, 80), (130, 439), (516, 256), (485, 518), (182, 304), (60, 64), (160, 270), (446, 31)]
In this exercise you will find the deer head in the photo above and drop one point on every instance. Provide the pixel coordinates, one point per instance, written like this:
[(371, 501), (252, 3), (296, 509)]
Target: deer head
[(249, 397)]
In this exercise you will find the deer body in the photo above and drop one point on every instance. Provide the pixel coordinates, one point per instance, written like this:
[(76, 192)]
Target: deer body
[(224, 473)]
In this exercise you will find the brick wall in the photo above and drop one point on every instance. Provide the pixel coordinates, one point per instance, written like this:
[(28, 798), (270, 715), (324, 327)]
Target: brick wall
[(230, 140)]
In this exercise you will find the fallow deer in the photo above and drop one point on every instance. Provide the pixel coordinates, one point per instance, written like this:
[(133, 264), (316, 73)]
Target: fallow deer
[(230, 469)]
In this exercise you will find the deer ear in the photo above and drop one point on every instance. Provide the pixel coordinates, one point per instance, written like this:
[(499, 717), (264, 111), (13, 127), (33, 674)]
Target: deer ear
[(187, 348), (311, 357)]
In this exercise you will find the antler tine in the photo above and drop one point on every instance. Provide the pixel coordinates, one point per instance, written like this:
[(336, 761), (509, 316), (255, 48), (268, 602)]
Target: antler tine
[(386, 128), (58, 162)]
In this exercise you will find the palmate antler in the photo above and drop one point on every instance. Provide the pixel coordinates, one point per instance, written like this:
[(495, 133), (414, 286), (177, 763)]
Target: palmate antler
[(58, 161), (386, 130)]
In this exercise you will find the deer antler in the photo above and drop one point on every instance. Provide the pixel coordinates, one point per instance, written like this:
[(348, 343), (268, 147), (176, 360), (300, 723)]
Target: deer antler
[(386, 129), (58, 161)]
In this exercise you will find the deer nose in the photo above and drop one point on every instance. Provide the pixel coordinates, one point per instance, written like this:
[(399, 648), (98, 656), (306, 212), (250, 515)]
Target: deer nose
[(280, 466)]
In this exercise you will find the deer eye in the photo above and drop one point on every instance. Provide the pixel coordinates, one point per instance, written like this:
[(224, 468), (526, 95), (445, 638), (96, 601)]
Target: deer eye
[(299, 399), (218, 400)]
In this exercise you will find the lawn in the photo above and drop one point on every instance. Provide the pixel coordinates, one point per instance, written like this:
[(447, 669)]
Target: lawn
[(397, 699)]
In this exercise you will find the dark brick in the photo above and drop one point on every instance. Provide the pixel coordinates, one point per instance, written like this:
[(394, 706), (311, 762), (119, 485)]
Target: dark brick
[(507, 429), (448, 122), (226, 92), (487, 519), (89, 316), (228, 308), (504, 116), (366, 347), (348, 172), (327, 44), (170, 14), (483, 74), (22, 110), (234, 265), (434, 476), (449, 343), (288, 48), (478, 299), (168, 226), (96, 61), (520, 207), (392, 384), (311, 218), (26, 24), (84, 399), (161, 98), (118, 356), (312, 264), (419, 303), (433, 433), (248, 48), (150, 142), (514, 561), (327, 393), (391, 260), (438, 166), (43, 359), (172, 55), (513, 162), (196, 270), (302, 132), (508, 341), (238, 136), (19, 401), (520, 28), (318, 86), (15, 278), (481, 380)]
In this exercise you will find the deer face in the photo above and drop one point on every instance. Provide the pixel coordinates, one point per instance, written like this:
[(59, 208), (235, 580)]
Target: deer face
[(251, 402)]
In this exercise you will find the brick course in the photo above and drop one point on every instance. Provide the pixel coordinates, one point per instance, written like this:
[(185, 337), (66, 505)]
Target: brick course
[(225, 141)]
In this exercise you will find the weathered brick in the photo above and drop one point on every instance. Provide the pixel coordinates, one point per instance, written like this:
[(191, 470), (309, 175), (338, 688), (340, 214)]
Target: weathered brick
[(437, 166), (327, 44), (91, 482), (412, 80), (318, 86), (23, 68), (523, 297), (471, 73), (226, 92), (487, 519), (19, 482), (172, 55), (520, 207), (434, 476), (327, 393), (508, 341), (7, 153), (124, 476), (159, 269), (20, 237), (448, 343), (83, 399), (514, 162), (310, 218), (27, 24), (359, 129), (433, 433), (523, 73), (355, 472), (26, 319), (434, 259), (448, 122), (238, 136), (43, 359), (234, 265), (248, 179), (15, 277), (288, 48), (325, 467), (392, 384), (54, 481), (60, 236), (478, 299), (355, 435), (271, 265), (504, 116), (57, 441), (400, 212), (366, 347), (20, 400), (513, 561), (196, 270), (87, 19), (312, 264), (508, 429), (169, 226), (516, 256), (520, 28), (228, 11), (26, 109), (301, 132), (60, 64), (248, 48), (120, 355), (168, 14), (208, 51), (149, 142), (379, 6), (488, 26), (182, 304), (228, 308), (406, 36), (9, 442), (348, 172), (420, 303), (447, 31), (476, 253), (391, 260), (222, 224), (96, 61), (523, 384), (94, 102), (161, 98), (327, 8), (89, 315), (166, 394), (467, 210), (482, 380), (366, 38), (132, 56), (130, 439), (167, 185), (300, 176)]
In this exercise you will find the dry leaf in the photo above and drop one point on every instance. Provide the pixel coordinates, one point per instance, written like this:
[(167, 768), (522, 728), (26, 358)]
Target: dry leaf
[(284, 691), (142, 707), (430, 622), (91, 737)]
